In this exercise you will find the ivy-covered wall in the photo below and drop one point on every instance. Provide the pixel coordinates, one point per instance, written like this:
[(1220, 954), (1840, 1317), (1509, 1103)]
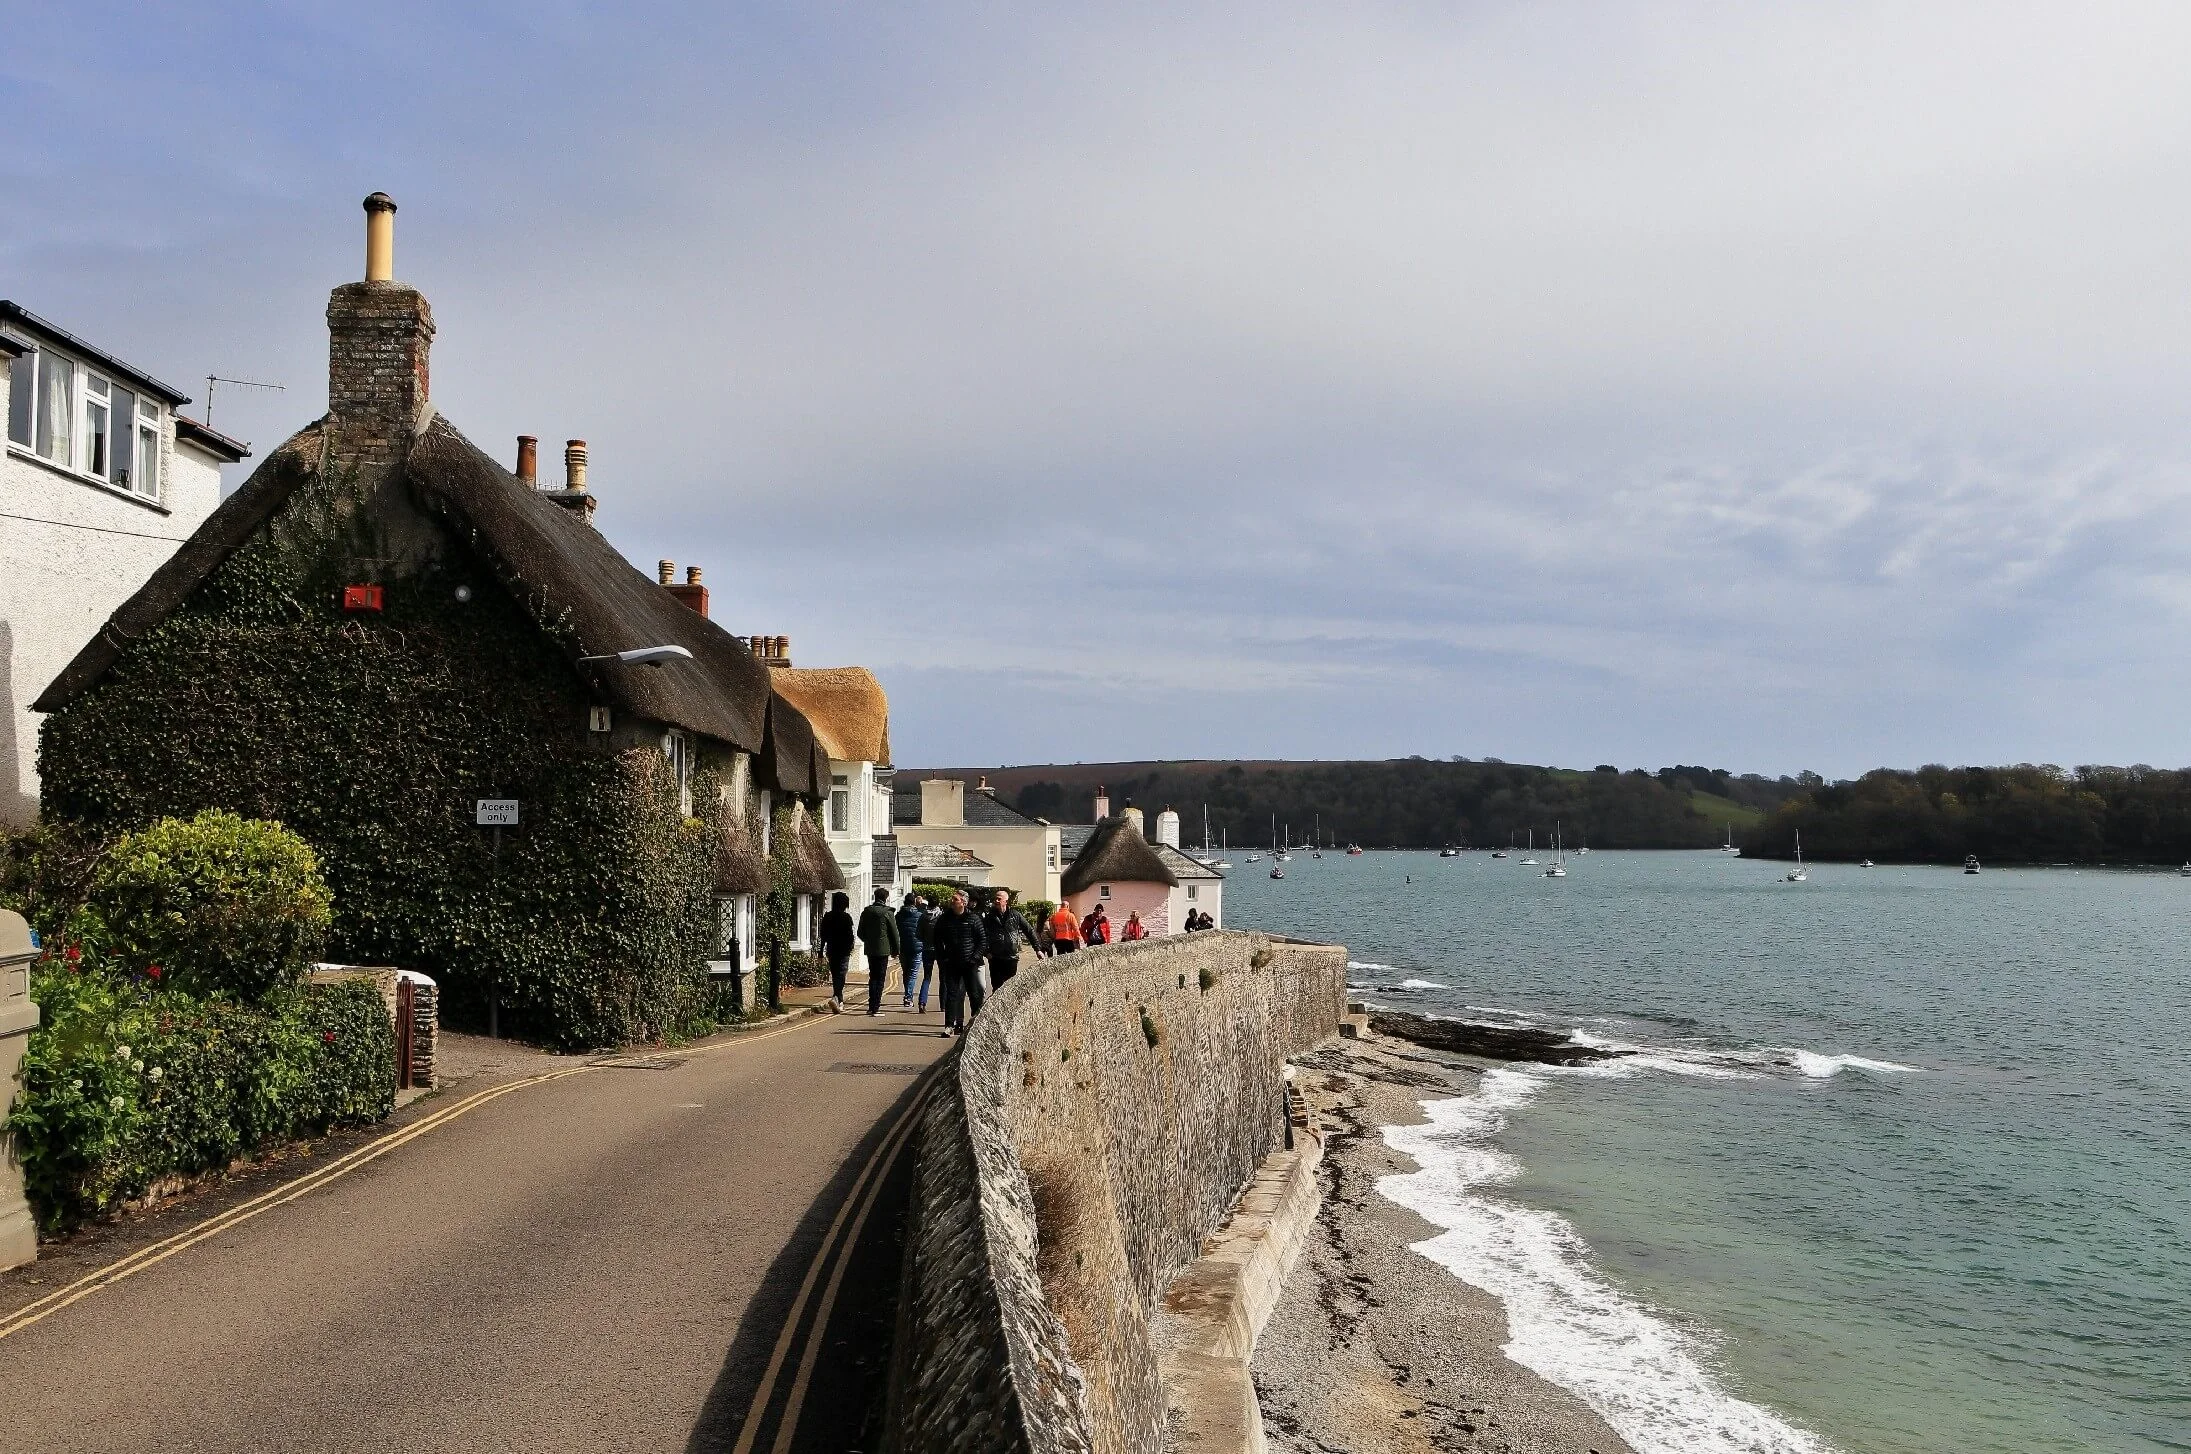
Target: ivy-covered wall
[(372, 735)]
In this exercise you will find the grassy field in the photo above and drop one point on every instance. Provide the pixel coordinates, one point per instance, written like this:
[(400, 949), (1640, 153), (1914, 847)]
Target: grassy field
[(1726, 810)]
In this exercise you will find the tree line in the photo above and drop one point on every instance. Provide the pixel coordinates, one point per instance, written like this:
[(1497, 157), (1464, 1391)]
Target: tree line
[(2030, 813), (1410, 802)]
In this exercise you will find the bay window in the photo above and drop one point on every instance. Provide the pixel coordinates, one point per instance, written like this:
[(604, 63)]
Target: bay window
[(85, 422)]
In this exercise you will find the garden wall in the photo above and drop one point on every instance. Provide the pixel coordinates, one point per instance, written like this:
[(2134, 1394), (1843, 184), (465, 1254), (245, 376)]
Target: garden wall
[(1105, 1112)]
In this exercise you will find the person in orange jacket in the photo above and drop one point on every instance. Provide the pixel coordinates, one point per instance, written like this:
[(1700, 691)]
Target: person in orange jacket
[(1134, 929), (1095, 929), (1064, 931)]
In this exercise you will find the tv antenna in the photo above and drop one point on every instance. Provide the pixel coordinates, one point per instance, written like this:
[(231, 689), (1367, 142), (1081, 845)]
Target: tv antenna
[(212, 379)]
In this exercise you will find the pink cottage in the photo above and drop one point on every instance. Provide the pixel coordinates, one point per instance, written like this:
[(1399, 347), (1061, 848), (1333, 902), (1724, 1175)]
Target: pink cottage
[(1120, 870)]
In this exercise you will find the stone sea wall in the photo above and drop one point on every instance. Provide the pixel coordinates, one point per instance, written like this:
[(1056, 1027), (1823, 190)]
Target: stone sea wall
[(1105, 1112)]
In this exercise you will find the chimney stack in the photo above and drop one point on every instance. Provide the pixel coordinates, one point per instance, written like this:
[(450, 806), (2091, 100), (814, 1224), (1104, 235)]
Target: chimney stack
[(983, 786), (1102, 803), (665, 571), (773, 650), (573, 496), (1167, 828), (528, 461), (380, 238), (1133, 816), (692, 593), (379, 337)]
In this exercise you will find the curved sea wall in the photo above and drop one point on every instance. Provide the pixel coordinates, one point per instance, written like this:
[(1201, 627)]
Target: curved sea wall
[(1105, 1112)]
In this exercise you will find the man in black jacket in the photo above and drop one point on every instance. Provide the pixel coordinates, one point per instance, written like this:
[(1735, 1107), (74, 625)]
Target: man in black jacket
[(838, 936), (879, 937), (959, 943), (1004, 929)]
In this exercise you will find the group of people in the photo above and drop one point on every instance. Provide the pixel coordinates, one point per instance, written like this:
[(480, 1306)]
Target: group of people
[(947, 947)]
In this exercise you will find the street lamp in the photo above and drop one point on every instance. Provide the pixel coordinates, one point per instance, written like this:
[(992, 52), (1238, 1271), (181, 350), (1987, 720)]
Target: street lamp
[(643, 656)]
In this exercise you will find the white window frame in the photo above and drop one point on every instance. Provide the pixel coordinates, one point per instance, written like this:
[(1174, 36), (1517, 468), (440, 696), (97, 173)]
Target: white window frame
[(677, 747), (840, 803), (149, 414), (1103, 891)]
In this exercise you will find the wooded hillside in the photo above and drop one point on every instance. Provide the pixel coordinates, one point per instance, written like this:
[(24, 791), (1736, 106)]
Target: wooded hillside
[(1409, 802)]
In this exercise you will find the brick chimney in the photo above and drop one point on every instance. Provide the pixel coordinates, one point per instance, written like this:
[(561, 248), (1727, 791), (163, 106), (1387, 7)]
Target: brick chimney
[(379, 335), (774, 650), (692, 593), (573, 496), (528, 461)]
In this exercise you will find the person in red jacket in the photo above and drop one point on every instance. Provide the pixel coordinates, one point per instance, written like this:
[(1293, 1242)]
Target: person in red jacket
[(1095, 929), (1134, 929)]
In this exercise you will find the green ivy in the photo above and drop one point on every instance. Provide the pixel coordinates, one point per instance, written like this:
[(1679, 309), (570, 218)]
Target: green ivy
[(371, 737)]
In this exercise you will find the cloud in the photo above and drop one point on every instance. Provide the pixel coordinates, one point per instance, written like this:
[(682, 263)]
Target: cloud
[(1776, 386)]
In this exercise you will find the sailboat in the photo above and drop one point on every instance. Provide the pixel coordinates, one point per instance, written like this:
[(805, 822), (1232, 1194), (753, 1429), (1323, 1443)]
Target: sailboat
[(1730, 845), (1315, 842), (1506, 852), (1281, 848), (1799, 874), (1559, 858), (1531, 860), (1584, 851)]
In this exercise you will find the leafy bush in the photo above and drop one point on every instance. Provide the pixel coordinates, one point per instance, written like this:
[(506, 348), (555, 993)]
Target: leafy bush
[(226, 905), (803, 970), (126, 1085)]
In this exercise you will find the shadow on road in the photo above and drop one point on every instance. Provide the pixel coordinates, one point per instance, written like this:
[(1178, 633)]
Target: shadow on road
[(841, 1411)]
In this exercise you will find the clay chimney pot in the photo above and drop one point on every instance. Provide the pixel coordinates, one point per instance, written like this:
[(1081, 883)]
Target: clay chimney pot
[(528, 459)]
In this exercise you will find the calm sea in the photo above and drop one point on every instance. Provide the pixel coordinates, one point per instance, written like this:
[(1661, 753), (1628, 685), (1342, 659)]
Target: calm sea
[(1903, 1166)]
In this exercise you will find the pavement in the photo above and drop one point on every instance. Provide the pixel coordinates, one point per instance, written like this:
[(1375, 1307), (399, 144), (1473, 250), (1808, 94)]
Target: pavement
[(685, 1249)]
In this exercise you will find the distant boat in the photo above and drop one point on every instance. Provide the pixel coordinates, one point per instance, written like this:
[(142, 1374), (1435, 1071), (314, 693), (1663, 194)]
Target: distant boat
[(1730, 846), (1583, 851), (1354, 850), (1799, 874), (2184, 872), (1970, 863), (1559, 859), (1277, 872), (1449, 852), (1867, 863), (1531, 860)]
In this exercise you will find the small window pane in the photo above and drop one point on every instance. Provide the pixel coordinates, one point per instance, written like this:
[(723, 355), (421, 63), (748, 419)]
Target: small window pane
[(95, 436), (22, 389), (56, 407), (124, 448), (148, 461), (95, 386)]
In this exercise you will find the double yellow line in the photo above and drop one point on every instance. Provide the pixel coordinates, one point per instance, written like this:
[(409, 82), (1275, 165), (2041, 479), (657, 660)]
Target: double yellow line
[(149, 1256), (837, 1245)]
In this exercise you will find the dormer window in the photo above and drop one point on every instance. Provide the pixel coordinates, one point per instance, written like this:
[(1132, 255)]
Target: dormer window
[(73, 416)]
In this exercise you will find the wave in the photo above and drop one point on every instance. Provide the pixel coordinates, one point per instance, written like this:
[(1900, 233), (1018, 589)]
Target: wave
[(1825, 1067), (1421, 984), (1565, 1321), (1372, 964)]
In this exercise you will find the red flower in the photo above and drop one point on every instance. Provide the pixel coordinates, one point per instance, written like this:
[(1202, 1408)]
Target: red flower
[(154, 971), (72, 953), (328, 1036)]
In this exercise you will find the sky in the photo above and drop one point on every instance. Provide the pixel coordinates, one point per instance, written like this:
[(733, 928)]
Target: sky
[(1771, 387)]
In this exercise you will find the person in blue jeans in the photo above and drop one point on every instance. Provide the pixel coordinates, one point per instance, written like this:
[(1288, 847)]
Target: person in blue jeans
[(912, 942)]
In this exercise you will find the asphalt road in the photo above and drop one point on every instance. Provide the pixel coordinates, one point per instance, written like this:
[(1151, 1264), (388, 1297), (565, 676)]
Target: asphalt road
[(606, 1260)]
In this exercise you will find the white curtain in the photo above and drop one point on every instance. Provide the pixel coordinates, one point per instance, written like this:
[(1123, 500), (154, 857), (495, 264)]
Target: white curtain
[(56, 406)]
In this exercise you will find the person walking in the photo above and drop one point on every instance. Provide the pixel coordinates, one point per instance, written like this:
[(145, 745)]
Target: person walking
[(838, 936), (959, 943), (912, 946), (1004, 929), (1095, 929), (1134, 931), (879, 937), (1064, 930)]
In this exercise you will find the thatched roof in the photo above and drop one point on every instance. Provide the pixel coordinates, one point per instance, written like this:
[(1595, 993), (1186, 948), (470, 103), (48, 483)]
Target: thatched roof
[(851, 716), (740, 866), (790, 759), (545, 554), (1116, 853), (814, 868)]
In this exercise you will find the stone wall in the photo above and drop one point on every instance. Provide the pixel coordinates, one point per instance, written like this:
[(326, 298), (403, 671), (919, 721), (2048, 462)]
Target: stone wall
[(1109, 1108)]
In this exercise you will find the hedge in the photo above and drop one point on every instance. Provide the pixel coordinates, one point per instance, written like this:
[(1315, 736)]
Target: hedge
[(126, 1085)]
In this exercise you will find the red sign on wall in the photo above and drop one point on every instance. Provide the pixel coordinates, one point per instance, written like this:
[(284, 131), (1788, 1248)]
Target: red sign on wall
[(361, 598)]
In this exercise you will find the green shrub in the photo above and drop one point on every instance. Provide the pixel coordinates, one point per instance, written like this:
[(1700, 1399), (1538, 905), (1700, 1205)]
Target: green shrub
[(939, 893), (803, 970), (125, 1085), (225, 905)]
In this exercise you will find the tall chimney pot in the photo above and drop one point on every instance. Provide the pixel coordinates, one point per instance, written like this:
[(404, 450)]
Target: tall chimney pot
[(574, 466), (380, 238), (528, 459), (665, 571)]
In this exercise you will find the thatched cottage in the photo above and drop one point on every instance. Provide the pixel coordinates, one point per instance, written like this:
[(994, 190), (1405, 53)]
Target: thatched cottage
[(529, 769)]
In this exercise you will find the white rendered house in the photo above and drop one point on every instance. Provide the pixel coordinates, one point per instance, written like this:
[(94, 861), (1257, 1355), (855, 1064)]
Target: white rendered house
[(100, 481)]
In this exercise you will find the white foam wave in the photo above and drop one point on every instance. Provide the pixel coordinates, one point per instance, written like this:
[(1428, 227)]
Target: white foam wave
[(1373, 964), (1420, 984), (1825, 1067), (1645, 1377)]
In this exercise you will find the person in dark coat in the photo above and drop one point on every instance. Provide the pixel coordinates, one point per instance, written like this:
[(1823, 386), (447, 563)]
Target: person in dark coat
[(838, 936), (959, 943), (913, 946), (879, 937), (1005, 930)]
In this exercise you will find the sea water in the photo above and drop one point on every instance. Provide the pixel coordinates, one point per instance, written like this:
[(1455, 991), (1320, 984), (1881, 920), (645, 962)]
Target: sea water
[(1901, 1164)]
